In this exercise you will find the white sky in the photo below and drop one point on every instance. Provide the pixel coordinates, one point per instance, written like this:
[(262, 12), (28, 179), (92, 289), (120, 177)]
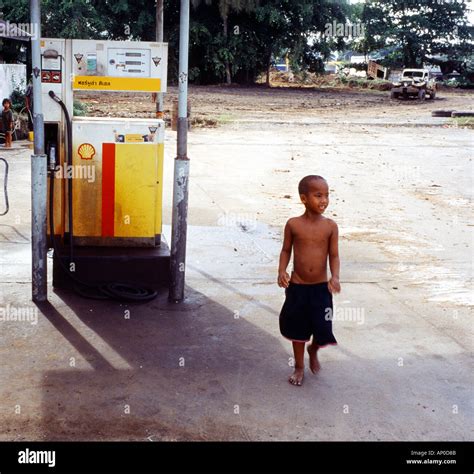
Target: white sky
[(470, 5)]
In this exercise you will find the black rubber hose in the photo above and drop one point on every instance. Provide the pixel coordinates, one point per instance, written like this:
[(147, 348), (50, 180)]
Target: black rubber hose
[(5, 190), (114, 290), (69, 170), (98, 294)]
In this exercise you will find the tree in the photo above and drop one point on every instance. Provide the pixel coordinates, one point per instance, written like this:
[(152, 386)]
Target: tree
[(417, 29), (229, 39), (266, 29), (12, 51), (225, 9), (306, 39)]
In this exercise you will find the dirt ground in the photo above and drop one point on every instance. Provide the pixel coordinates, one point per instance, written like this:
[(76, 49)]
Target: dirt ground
[(401, 186), (216, 105)]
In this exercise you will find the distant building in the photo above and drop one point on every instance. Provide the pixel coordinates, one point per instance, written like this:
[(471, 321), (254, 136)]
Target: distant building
[(358, 59)]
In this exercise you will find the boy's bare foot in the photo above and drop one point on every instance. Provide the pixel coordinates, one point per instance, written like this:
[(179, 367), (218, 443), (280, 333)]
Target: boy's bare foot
[(313, 359), (296, 378)]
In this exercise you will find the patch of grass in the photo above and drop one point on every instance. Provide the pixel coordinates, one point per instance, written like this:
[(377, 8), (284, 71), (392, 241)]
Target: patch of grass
[(225, 118), (462, 82), (463, 122), (364, 83)]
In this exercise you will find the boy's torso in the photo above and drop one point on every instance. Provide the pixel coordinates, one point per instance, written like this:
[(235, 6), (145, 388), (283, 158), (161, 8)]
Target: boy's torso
[(7, 119), (310, 249)]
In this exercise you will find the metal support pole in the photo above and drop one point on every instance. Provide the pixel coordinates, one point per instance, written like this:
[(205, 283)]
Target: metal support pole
[(38, 170), (159, 39), (181, 167)]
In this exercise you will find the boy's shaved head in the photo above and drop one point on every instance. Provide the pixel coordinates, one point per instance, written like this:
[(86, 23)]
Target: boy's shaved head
[(303, 186)]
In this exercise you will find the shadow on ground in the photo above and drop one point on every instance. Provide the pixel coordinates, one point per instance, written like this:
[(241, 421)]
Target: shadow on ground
[(165, 371)]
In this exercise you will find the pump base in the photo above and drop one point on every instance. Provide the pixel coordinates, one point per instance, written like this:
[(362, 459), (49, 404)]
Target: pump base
[(148, 267)]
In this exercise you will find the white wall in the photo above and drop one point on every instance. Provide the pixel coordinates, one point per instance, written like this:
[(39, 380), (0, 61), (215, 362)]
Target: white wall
[(12, 76)]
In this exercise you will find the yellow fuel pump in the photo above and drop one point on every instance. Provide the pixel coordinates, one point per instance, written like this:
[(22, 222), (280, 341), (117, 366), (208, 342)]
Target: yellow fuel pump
[(106, 174)]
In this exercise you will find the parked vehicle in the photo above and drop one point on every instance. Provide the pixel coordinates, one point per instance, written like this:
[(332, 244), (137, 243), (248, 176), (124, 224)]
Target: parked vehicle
[(417, 83)]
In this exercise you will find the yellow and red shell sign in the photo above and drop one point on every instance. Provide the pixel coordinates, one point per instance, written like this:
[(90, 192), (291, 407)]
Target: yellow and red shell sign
[(86, 151)]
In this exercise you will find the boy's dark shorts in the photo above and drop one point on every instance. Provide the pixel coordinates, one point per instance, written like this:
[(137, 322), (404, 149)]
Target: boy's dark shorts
[(307, 312)]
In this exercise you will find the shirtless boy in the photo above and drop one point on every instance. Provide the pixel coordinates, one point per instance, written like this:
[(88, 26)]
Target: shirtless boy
[(307, 310)]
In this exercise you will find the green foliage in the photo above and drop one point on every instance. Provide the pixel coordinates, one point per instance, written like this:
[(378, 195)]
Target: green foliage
[(461, 81), (356, 66), (17, 98), (364, 83), (238, 39), (79, 108), (229, 39), (463, 122), (417, 29), (71, 19), (13, 51)]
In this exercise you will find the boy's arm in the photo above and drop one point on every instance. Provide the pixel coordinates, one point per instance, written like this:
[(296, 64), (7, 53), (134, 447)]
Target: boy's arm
[(285, 255), (334, 263)]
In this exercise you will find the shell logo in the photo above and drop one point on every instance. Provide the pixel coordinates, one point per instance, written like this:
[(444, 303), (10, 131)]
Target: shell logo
[(86, 151)]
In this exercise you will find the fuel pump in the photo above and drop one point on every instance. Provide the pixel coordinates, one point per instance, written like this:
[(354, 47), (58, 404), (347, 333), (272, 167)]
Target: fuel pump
[(106, 174)]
